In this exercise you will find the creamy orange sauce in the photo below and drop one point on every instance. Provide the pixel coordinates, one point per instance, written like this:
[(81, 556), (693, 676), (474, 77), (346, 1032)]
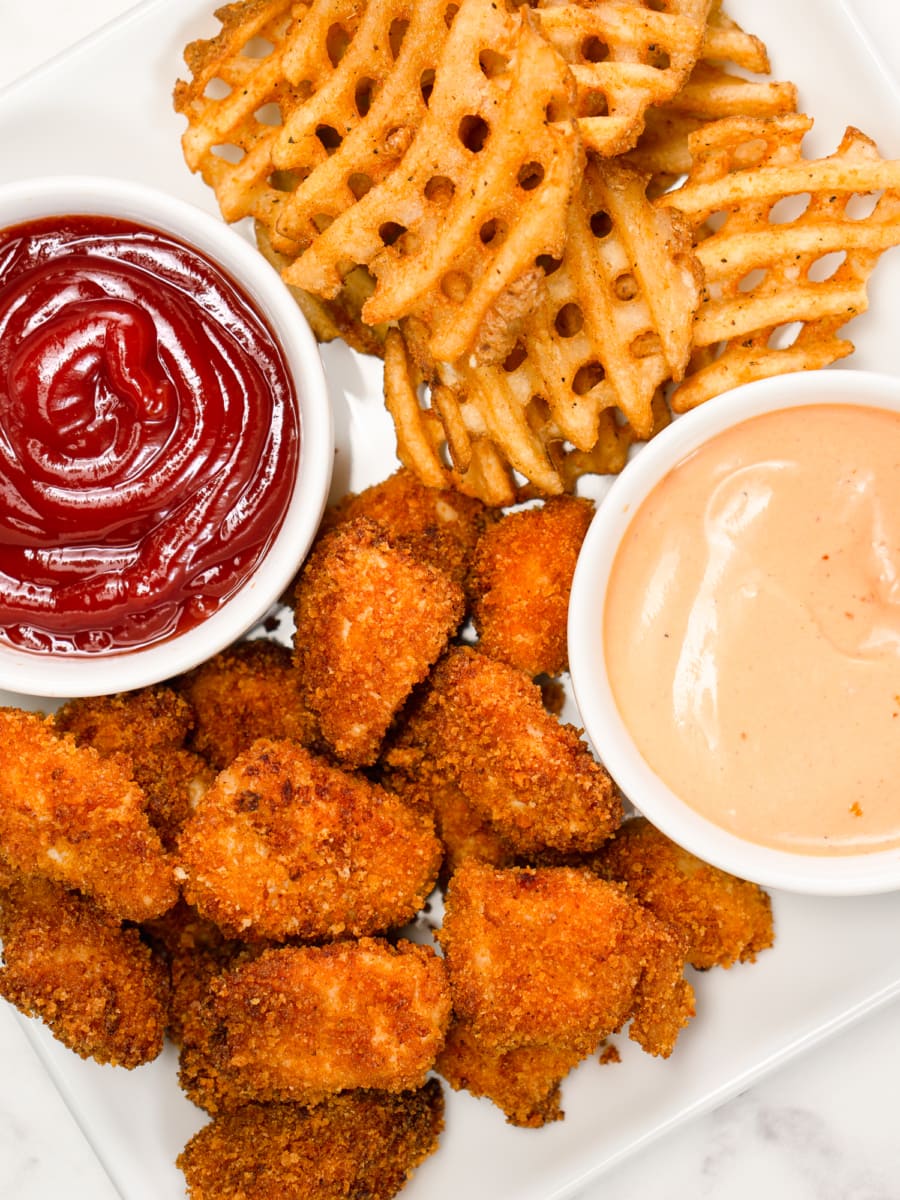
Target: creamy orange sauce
[(752, 629)]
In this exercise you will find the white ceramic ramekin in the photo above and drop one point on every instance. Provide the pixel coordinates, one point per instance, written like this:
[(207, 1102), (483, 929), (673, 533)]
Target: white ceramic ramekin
[(877, 871), (37, 674)]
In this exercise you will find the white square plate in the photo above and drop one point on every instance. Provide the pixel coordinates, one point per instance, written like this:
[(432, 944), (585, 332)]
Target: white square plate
[(105, 108)]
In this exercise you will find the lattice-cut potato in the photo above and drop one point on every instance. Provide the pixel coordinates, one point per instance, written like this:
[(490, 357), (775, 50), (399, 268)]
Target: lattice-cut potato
[(626, 56), (794, 243), (453, 232)]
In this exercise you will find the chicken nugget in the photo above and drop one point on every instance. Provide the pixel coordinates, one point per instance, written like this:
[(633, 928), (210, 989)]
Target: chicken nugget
[(249, 691), (554, 956), (74, 817), (481, 726), (438, 525), (723, 919), (361, 1144), (149, 727), (302, 1023), (99, 989), (286, 845), (520, 583), (371, 619)]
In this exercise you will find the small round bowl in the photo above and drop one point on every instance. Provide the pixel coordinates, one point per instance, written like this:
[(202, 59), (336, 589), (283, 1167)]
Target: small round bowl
[(37, 674), (845, 874)]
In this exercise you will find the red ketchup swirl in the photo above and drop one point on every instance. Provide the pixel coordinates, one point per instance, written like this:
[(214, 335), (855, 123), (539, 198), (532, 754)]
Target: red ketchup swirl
[(148, 436)]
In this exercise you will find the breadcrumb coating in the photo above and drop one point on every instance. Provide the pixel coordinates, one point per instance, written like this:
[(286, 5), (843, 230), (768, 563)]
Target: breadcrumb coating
[(481, 726), (520, 583), (99, 989), (370, 621), (79, 819), (722, 919), (361, 1144), (286, 845), (249, 691)]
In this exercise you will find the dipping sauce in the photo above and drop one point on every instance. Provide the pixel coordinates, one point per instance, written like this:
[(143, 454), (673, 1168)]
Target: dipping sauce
[(752, 629), (149, 436)]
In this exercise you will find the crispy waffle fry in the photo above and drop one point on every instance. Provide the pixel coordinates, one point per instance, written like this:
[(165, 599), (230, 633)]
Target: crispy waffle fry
[(479, 195), (765, 269), (625, 56)]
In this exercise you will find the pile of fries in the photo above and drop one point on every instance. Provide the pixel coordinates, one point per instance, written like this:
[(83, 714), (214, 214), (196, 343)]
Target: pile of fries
[(556, 222)]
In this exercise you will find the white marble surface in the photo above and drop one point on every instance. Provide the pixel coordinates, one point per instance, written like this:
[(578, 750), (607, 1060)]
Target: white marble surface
[(822, 1127)]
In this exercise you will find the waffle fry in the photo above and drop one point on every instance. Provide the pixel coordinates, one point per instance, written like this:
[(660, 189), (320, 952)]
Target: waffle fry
[(480, 194), (625, 57), (765, 273)]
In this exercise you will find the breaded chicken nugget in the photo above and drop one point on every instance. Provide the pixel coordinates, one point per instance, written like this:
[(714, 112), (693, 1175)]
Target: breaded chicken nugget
[(723, 919), (524, 1083), (520, 583), (149, 727), (439, 526), (481, 725), (371, 619), (79, 819), (286, 845), (302, 1023), (100, 990), (362, 1144), (249, 691), (554, 956)]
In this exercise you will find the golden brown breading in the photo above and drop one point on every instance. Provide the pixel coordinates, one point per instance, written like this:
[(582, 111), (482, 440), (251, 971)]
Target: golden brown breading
[(302, 1023), (520, 583), (149, 728), (481, 726), (370, 619), (286, 845), (524, 1083), (79, 819), (247, 692), (100, 990), (362, 1144), (723, 919), (439, 526), (555, 956)]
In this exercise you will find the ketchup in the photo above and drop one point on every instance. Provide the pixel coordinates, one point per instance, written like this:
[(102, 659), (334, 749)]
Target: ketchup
[(149, 436)]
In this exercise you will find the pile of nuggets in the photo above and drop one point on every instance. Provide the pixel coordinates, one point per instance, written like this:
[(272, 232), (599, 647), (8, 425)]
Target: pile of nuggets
[(234, 860)]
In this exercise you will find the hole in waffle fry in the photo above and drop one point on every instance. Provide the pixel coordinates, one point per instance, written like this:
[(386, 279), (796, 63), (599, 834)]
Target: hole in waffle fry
[(538, 412), (284, 181), (456, 285), (783, 336), (321, 221), (439, 189), (594, 49), (601, 224), (269, 114), (752, 279), (257, 47), (217, 89), (426, 83), (515, 358), (789, 208), (657, 5), (329, 137), (593, 104), (337, 39), (625, 286), (548, 263), (390, 231), (749, 154), (365, 89), (557, 110), (473, 133), (492, 63), (825, 267), (491, 231), (359, 184), (645, 344), (861, 205), (659, 58), (530, 175), (229, 152), (588, 376), (569, 320), (396, 34), (449, 13)]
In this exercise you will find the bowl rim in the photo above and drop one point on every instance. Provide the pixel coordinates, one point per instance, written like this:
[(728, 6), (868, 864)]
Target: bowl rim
[(851, 874), (35, 674)]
